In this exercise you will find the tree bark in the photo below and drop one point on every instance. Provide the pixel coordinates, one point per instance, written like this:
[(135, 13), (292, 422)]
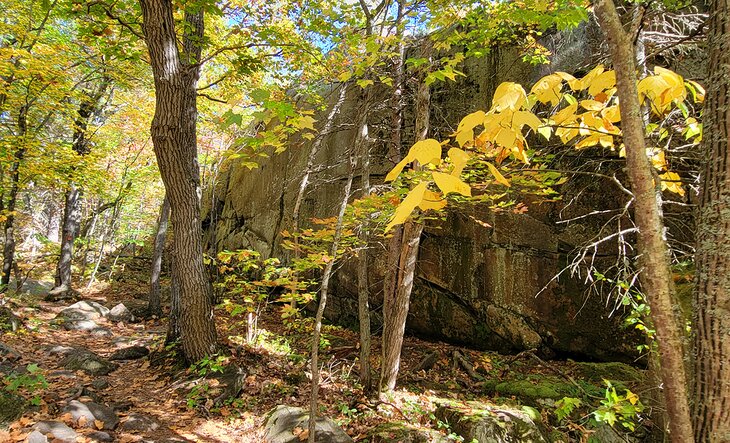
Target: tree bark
[(712, 296), (72, 207), (154, 307), (174, 133), (323, 293), (362, 145), (9, 226), (656, 276), (401, 268)]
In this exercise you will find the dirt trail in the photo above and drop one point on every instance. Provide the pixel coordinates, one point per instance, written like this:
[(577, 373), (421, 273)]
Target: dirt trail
[(134, 389)]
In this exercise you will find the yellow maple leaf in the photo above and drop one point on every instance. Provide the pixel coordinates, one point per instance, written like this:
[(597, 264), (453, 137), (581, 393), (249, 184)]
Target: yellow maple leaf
[(601, 82), (406, 207), (459, 158), (509, 95), (497, 175), (432, 200), (448, 183)]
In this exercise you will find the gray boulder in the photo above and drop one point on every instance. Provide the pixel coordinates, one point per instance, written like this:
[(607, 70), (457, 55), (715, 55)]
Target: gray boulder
[(82, 316), (281, 421), (91, 411), (490, 424), (58, 430), (121, 313), (81, 359)]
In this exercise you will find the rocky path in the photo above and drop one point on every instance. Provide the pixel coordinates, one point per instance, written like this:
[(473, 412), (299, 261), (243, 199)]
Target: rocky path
[(100, 387)]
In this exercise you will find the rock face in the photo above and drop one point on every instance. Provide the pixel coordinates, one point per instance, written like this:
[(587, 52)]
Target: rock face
[(281, 422), (484, 279)]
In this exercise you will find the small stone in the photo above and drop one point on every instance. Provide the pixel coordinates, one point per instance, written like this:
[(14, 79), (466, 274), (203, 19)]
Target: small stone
[(36, 437), (92, 411), (100, 383), (282, 420), (130, 353), (121, 313), (59, 430), (139, 423), (101, 332), (79, 325), (84, 360), (100, 436)]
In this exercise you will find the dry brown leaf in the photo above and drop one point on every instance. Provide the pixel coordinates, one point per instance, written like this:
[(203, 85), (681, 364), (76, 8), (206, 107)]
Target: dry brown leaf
[(82, 421), (67, 418), (99, 424)]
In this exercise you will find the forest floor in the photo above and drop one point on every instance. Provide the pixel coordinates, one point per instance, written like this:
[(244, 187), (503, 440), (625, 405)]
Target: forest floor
[(156, 400)]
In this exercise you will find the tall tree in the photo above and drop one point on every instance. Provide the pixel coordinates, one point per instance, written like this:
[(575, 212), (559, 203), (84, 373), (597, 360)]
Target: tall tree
[(90, 105), (656, 277), (712, 297), (402, 256), (176, 72)]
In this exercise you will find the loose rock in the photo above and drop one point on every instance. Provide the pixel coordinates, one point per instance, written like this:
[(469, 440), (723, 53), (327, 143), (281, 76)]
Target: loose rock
[(139, 423), (90, 412), (282, 420), (130, 353), (121, 313), (57, 429), (84, 360)]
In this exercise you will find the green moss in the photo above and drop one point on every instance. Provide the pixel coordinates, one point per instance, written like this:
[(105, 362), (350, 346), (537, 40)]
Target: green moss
[(533, 389), (618, 372)]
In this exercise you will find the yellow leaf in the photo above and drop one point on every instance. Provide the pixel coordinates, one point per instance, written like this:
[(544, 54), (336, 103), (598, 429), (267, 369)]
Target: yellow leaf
[(522, 118), (465, 136), (545, 131), (506, 137), (612, 113), (672, 182), (432, 200), (592, 105), (631, 397), (601, 82), (465, 130), (99, 424), (448, 183), (497, 175), (425, 151), (657, 157), (471, 121), (573, 83), (547, 89), (509, 96), (566, 115), (459, 158), (406, 207), (395, 172), (588, 79)]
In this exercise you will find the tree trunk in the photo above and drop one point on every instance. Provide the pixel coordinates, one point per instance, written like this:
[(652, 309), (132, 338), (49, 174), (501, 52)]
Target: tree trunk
[(53, 225), (174, 139), (400, 273), (71, 220), (656, 276), (362, 145), (9, 226), (72, 207), (712, 297), (323, 293), (154, 307)]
